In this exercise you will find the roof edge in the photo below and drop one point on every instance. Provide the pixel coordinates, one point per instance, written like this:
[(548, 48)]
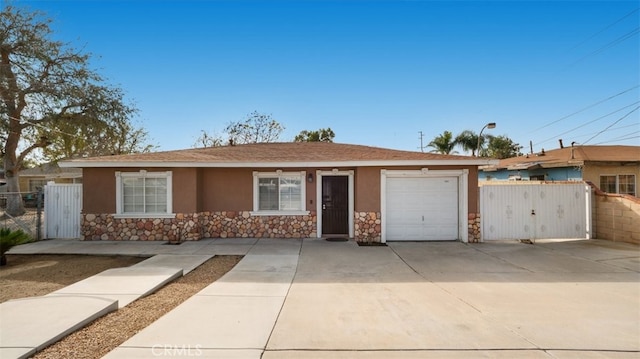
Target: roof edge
[(447, 162)]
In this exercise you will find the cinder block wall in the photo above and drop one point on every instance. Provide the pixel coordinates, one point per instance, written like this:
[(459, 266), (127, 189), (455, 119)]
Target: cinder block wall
[(617, 217)]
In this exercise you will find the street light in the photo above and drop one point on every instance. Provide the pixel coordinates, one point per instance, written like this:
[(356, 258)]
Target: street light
[(489, 125)]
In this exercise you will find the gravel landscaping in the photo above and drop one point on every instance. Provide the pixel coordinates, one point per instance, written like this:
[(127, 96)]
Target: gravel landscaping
[(106, 333), (36, 275)]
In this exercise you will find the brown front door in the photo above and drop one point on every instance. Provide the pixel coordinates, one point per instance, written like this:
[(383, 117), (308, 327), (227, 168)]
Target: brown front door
[(335, 205)]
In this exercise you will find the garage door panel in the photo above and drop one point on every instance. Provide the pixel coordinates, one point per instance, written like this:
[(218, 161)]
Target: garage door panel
[(422, 208)]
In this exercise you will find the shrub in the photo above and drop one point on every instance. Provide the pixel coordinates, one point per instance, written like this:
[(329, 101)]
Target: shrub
[(10, 238)]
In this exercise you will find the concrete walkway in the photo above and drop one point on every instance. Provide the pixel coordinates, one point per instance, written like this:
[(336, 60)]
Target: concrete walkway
[(318, 299), (31, 324), (231, 318)]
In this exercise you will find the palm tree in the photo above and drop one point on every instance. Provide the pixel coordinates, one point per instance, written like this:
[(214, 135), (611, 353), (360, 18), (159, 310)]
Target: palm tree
[(468, 140), (443, 143)]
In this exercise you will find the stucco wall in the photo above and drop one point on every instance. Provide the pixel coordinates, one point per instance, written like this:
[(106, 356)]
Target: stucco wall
[(211, 192), (226, 189), (185, 190), (367, 189), (593, 170), (99, 190)]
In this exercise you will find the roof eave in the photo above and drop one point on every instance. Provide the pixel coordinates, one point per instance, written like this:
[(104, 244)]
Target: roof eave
[(378, 163)]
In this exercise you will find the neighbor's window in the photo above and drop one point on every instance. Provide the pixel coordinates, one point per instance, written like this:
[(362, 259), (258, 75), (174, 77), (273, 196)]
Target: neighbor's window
[(36, 184), (622, 184), (146, 194), (279, 191), (627, 184)]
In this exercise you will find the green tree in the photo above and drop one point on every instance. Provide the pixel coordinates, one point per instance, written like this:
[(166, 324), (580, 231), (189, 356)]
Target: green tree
[(501, 147), (43, 81), (468, 140), (321, 135), (443, 143)]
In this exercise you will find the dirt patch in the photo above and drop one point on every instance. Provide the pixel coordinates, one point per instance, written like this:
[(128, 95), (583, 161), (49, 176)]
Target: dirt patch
[(106, 333), (35, 275)]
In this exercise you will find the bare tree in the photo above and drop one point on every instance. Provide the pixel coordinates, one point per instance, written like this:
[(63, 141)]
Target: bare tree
[(255, 128), (208, 140)]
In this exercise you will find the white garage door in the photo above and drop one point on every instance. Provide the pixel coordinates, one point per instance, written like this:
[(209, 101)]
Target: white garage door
[(422, 209)]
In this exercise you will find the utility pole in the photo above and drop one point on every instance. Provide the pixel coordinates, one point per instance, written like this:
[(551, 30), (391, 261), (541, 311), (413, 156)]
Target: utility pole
[(421, 137)]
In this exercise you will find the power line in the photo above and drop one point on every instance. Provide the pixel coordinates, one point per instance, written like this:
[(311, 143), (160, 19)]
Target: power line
[(586, 108), (609, 45), (584, 135), (611, 125), (606, 28), (585, 124), (620, 139)]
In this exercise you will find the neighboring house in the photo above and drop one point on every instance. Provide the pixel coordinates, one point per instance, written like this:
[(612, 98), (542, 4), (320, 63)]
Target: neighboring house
[(3, 182), (614, 169), (34, 179), (281, 190)]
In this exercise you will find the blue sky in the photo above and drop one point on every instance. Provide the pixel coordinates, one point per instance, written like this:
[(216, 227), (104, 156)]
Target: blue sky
[(376, 72)]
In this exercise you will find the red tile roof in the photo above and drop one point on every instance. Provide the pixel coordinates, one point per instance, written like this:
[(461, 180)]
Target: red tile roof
[(271, 153), (577, 155)]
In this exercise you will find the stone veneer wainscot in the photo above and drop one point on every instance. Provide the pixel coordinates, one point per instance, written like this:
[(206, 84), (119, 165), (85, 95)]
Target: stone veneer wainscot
[(194, 226), (368, 227), (474, 228)]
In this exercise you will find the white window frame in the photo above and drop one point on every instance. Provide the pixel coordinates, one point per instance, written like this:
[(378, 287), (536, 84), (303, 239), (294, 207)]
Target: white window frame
[(143, 174), (617, 176), (301, 175)]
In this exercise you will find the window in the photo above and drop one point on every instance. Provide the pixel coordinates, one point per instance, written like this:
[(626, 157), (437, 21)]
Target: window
[(36, 184), (627, 184), (279, 192), (143, 194), (622, 184), (608, 184)]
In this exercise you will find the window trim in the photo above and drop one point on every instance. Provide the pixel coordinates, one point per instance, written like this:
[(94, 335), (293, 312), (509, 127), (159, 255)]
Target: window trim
[(168, 175), (617, 184), (279, 174)]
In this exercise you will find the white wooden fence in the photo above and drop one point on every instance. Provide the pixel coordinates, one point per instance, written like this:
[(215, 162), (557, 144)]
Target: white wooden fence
[(62, 208), (535, 211)]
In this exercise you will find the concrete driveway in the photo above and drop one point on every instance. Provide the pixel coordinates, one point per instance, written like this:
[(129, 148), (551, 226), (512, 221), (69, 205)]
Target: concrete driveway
[(317, 299), (571, 299)]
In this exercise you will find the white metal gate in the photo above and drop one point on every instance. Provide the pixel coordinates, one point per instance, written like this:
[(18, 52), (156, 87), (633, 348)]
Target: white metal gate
[(535, 211), (62, 206)]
